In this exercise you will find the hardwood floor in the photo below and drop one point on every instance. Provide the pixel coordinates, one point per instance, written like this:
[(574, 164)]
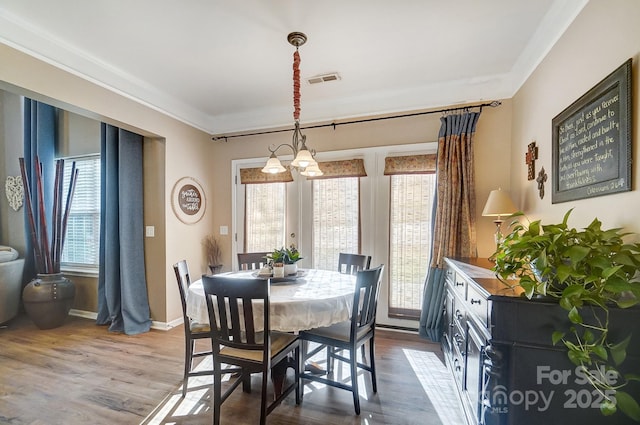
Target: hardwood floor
[(82, 374)]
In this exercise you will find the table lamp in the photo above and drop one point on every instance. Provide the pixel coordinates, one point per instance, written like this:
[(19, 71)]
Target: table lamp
[(498, 204)]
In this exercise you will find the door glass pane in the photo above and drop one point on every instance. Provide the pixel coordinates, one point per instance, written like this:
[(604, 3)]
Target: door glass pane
[(410, 240), (336, 220), (265, 208)]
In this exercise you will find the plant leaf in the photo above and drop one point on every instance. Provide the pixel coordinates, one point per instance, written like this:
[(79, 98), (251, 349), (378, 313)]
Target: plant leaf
[(574, 316), (632, 377), (565, 302), (626, 303), (608, 408), (577, 253), (600, 351), (528, 287), (617, 285), (628, 405), (610, 271), (573, 290), (619, 350), (557, 337)]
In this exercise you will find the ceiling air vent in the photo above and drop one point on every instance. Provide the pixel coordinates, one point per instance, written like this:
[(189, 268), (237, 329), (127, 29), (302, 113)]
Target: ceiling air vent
[(324, 78)]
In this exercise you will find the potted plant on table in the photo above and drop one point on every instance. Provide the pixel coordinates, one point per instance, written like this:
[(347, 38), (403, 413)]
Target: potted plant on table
[(589, 272), (289, 257)]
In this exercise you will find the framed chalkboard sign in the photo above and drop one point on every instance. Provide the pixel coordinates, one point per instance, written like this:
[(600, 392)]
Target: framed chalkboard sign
[(592, 141)]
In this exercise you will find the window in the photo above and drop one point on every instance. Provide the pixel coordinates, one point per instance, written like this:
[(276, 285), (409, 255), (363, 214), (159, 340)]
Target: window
[(411, 208), (82, 243), (265, 206), (348, 209), (336, 220)]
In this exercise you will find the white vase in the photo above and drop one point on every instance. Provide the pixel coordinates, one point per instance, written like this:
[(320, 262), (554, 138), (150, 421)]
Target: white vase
[(290, 269), (278, 271)]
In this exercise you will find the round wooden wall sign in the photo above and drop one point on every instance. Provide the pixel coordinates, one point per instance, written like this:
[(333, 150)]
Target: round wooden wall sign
[(188, 200)]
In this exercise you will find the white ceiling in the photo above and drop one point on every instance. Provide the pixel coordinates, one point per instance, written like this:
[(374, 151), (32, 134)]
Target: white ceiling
[(225, 65)]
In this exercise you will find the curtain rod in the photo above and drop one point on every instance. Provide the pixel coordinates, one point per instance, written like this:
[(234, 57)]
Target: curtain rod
[(493, 104)]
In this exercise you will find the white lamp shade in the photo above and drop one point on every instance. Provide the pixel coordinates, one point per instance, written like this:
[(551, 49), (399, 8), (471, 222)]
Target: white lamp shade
[(312, 171), (498, 204), (273, 166), (303, 159)]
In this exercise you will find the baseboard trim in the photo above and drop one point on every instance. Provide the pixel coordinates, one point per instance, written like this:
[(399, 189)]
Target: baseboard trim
[(162, 326), (397, 328)]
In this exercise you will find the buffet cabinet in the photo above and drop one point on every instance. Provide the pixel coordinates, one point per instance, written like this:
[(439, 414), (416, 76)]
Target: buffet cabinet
[(497, 345)]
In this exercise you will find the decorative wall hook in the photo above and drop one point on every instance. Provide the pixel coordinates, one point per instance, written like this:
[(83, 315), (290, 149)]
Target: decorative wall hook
[(542, 178)]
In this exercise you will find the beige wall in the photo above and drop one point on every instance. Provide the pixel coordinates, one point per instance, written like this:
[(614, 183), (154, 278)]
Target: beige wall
[(603, 36)]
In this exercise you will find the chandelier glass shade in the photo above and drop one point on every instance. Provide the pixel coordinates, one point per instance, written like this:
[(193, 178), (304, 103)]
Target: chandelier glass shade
[(303, 157)]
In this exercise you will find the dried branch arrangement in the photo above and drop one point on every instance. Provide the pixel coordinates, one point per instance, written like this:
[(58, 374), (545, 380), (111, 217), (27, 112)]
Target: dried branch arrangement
[(213, 250), (48, 254)]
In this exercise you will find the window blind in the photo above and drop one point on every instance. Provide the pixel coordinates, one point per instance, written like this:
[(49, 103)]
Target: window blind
[(337, 169), (411, 164), (256, 176), (82, 241)]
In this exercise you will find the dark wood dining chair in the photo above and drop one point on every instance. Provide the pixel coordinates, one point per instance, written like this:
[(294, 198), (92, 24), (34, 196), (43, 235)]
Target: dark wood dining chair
[(350, 335), (251, 260), (236, 341), (192, 330), (347, 264), (351, 263)]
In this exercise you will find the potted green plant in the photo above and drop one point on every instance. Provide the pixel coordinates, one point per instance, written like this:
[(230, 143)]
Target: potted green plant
[(287, 256), (589, 272)]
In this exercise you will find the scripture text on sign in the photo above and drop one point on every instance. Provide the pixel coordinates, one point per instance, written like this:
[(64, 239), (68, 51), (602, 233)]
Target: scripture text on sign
[(592, 141)]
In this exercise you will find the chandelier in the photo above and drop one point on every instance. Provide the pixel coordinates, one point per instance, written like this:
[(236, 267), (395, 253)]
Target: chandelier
[(303, 157)]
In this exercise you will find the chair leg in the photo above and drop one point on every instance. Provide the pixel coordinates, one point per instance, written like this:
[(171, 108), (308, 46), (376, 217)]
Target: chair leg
[(246, 383), (330, 360), (372, 362), (217, 393), (354, 379), (188, 359), (298, 362), (263, 397)]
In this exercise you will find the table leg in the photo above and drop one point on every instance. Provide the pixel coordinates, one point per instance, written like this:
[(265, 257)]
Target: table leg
[(279, 374)]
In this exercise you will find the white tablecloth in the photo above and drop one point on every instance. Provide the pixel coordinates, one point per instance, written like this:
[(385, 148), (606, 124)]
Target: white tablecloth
[(320, 298)]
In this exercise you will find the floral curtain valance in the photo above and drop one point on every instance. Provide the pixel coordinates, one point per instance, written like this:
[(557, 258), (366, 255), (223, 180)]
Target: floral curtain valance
[(256, 176), (345, 168), (412, 164)]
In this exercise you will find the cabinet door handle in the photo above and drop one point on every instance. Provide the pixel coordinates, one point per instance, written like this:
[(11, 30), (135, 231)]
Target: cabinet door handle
[(459, 315), (459, 340), (459, 283), (475, 301)]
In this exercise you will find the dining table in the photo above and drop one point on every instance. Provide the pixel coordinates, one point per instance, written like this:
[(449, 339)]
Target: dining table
[(312, 298)]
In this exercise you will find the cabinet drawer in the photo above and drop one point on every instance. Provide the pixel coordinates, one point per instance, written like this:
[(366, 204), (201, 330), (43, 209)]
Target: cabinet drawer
[(459, 338), (478, 304), (459, 285)]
